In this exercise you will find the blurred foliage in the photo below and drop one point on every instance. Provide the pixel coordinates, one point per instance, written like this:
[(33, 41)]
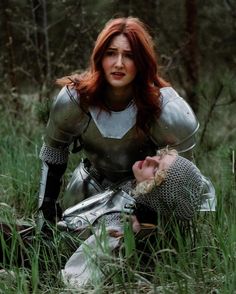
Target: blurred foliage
[(70, 27), (195, 42)]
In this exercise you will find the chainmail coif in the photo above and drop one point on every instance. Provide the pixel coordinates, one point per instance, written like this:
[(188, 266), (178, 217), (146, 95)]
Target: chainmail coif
[(179, 194)]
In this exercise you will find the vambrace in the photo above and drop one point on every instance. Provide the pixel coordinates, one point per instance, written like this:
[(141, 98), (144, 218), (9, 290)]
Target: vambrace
[(50, 182), (54, 163)]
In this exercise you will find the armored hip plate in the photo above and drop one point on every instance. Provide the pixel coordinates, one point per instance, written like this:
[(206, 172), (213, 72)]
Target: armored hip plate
[(84, 214)]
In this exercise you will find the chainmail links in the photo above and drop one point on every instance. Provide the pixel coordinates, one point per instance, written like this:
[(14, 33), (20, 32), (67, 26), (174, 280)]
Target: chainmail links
[(180, 194), (53, 155), (111, 219)]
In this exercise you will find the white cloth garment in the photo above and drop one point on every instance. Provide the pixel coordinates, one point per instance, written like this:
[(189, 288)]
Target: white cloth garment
[(83, 266)]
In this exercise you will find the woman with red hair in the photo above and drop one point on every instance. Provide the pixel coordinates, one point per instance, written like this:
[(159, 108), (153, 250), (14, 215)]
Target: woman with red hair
[(118, 111)]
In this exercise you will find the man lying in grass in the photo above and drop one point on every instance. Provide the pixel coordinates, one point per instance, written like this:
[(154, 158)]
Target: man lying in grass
[(167, 186)]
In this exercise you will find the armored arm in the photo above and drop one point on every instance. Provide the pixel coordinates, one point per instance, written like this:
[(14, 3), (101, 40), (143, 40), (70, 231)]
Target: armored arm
[(66, 121), (177, 124)]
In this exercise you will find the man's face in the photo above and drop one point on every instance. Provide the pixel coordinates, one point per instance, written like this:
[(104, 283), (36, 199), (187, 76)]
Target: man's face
[(146, 169)]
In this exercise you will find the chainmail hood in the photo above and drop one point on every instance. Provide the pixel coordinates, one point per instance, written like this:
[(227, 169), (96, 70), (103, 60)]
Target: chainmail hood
[(179, 194)]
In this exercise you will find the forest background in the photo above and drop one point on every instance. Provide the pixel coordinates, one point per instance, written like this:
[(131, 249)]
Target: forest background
[(196, 44)]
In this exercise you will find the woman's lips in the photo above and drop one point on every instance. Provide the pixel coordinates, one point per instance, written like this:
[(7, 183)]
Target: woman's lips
[(118, 75)]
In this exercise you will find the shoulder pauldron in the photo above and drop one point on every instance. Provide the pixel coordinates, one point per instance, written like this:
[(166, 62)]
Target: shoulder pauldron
[(177, 124)]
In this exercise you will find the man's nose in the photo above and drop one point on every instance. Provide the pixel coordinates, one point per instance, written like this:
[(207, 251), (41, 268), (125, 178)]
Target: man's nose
[(151, 159)]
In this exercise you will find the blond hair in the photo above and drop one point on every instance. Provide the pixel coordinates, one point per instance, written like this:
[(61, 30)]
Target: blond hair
[(159, 177)]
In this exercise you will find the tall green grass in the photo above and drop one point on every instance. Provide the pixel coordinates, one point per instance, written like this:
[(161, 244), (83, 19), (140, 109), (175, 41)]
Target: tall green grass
[(208, 266)]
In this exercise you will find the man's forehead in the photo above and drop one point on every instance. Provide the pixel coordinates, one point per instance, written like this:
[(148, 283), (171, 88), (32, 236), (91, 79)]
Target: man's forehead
[(164, 157)]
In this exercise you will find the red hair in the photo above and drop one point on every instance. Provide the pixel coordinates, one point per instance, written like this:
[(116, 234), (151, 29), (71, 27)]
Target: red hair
[(147, 83)]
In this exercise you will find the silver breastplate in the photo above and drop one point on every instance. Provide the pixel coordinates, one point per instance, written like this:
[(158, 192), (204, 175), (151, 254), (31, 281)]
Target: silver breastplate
[(112, 144)]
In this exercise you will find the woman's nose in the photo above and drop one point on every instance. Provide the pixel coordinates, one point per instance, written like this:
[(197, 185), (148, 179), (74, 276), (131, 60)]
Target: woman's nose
[(119, 61)]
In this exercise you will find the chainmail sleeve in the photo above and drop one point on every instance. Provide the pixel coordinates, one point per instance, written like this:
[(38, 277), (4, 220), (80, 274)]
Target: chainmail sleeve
[(54, 155)]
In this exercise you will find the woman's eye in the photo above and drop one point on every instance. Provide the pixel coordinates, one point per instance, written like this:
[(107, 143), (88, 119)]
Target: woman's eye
[(129, 55), (110, 53)]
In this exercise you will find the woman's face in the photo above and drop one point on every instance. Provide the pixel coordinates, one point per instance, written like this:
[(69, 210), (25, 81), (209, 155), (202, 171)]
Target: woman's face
[(146, 169), (118, 63)]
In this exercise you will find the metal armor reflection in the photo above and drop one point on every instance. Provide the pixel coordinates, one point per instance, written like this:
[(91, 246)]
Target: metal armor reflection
[(83, 215), (81, 186)]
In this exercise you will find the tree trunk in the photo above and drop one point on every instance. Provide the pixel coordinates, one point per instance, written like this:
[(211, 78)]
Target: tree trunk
[(9, 63), (191, 55), (41, 40), (38, 37), (47, 49)]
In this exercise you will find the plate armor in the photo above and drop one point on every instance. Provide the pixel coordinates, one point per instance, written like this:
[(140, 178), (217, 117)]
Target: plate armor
[(110, 141)]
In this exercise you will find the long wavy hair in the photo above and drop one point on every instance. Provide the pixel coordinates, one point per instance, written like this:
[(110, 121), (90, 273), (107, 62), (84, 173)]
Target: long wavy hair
[(147, 83)]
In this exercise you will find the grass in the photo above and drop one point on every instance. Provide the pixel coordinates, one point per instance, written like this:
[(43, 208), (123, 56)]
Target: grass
[(207, 267)]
